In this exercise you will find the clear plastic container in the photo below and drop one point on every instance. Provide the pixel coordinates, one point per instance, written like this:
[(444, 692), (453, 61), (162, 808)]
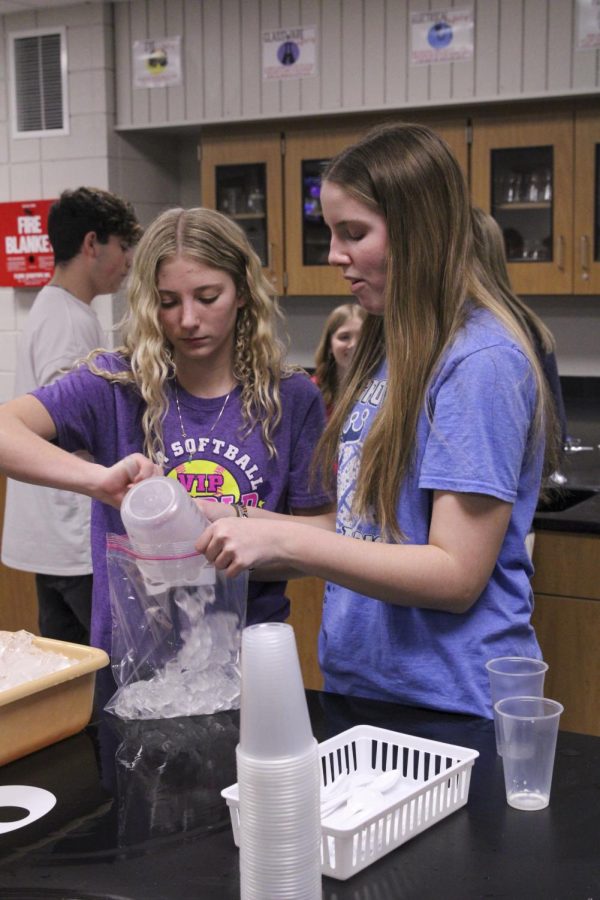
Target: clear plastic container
[(163, 522)]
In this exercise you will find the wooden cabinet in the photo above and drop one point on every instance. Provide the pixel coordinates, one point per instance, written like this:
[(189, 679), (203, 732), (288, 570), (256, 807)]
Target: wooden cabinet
[(18, 598), (241, 175), (587, 201), (567, 621), (538, 173), (306, 235), (283, 170), (306, 599), (522, 173)]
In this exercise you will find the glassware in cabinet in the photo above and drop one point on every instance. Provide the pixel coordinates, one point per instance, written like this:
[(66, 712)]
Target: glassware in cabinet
[(522, 173), (241, 177)]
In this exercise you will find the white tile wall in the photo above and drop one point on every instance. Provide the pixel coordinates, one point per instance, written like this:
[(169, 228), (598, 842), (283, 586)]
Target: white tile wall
[(25, 181), (7, 386), (61, 174), (8, 318), (8, 351)]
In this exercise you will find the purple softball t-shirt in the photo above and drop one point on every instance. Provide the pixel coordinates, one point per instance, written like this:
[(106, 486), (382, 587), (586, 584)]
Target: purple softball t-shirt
[(207, 450)]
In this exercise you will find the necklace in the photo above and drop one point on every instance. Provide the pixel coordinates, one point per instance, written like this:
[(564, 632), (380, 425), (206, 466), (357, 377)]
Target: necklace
[(212, 427)]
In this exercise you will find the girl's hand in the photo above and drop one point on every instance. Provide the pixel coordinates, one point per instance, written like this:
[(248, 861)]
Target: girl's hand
[(215, 511), (233, 544), (114, 482)]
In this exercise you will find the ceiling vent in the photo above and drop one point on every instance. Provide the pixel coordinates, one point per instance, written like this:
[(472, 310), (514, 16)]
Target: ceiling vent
[(38, 66)]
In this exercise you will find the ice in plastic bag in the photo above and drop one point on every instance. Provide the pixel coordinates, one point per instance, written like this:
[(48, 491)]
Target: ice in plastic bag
[(176, 638)]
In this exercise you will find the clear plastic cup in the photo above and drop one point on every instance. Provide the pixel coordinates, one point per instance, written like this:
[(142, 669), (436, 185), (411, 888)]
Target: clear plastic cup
[(159, 510), (528, 728), (162, 522), (274, 720), (514, 676)]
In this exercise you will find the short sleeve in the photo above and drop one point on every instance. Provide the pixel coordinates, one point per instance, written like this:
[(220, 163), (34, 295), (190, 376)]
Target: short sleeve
[(303, 492), (78, 404), (482, 411)]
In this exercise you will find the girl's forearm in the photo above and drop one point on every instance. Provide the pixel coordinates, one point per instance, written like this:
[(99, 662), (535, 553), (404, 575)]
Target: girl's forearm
[(402, 574), (25, 455)]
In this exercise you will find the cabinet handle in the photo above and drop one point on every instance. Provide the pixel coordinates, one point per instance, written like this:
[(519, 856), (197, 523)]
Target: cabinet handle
[(560, 261), (584, 258)]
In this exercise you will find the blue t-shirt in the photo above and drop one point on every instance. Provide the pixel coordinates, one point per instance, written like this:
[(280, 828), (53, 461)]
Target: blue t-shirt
[(207, 450), (477, 438)]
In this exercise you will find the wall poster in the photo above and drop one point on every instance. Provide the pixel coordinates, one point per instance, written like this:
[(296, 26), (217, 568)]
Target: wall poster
[(588, 24), (157, 63), (289, 52), (441, 36)]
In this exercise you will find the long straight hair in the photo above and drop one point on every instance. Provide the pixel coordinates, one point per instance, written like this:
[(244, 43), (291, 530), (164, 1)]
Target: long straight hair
[(407, 174)]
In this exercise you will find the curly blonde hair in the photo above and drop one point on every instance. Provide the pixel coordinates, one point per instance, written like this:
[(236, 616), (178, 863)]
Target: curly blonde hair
[(209, 238)]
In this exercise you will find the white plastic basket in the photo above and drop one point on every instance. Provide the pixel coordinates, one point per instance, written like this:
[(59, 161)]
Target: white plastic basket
[(434, 782)]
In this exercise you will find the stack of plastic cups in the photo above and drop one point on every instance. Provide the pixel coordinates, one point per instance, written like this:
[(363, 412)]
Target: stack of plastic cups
[(278, 772)]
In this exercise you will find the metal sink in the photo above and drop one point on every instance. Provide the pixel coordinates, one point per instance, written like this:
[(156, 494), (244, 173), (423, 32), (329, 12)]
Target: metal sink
[(561, 499)]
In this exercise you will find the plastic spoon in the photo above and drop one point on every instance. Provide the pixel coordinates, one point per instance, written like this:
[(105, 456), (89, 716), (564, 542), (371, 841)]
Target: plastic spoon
[(380, 784)]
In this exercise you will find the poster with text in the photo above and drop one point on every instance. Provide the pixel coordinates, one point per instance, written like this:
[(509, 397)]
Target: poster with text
[(26, 257), (157, 63), (289, 52), (588, 24), (441, 36)]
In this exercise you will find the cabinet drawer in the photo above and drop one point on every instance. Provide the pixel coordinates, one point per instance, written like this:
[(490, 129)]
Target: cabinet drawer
[(567, 564)]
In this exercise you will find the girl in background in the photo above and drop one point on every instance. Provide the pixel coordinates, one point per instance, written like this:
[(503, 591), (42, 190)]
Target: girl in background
[(442, 434), (335, 350)]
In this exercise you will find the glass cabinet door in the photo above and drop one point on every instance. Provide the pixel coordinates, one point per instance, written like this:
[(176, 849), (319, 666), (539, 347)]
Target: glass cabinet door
[(522, 173), (241, 194), (587, 202), (241, 177), (521, 201), (315, 233), (307, 236)]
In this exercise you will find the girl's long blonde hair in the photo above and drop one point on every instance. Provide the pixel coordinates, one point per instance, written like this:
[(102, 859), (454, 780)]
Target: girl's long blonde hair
[(210, 238), (407, 174)]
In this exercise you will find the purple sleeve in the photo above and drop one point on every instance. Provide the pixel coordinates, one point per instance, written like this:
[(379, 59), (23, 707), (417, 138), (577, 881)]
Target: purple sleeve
[(77, 403), (309, 421)]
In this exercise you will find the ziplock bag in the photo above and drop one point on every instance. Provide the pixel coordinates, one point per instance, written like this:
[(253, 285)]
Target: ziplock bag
[(176, 631)]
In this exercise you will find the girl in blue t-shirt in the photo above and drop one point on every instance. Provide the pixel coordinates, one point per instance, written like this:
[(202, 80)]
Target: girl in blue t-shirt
[(441, 438)]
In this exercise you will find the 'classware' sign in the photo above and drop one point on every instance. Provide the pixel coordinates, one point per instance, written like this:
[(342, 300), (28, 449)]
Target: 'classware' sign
[(26, 258)]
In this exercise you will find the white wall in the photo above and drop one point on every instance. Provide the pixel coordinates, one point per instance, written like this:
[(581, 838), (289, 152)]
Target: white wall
[(574, 322)]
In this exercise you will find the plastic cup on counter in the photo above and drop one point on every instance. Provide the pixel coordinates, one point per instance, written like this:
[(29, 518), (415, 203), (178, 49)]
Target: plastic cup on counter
[(514, 676), (528, 728)]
